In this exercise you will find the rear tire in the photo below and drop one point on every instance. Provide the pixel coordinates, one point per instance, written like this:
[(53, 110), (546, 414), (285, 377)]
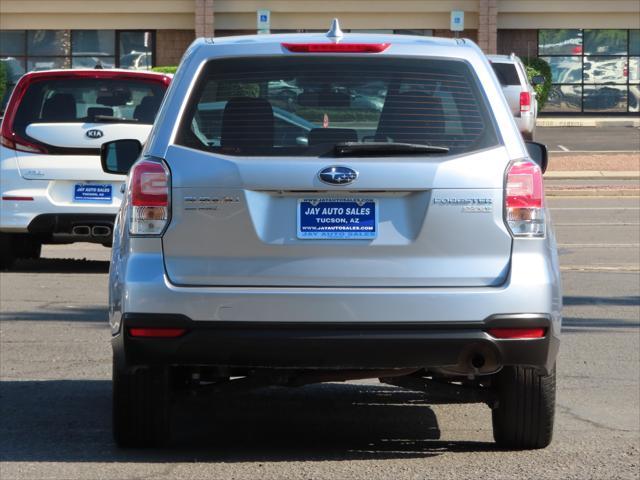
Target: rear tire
[(28, 247), (524, 416), (7, 251), (141, 409)]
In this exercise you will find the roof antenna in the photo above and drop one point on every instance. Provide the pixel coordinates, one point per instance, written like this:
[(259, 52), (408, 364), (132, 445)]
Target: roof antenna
[(334, 31)]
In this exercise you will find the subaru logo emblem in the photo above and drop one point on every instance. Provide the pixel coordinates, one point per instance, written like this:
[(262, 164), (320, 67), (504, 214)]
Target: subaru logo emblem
[(337, 175), (94, 133)]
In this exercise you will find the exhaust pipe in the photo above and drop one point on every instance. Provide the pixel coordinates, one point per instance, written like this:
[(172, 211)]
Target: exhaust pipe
[(100, 231), (477, 361), (81, 231)]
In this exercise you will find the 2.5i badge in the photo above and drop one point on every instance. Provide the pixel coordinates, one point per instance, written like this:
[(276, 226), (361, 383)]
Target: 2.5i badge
[(469, 205)]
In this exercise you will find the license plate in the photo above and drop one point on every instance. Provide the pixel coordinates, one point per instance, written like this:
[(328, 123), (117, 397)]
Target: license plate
[(84, 192), (338, 219)]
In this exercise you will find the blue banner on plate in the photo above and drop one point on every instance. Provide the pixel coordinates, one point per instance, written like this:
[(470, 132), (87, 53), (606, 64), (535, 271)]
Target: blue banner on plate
[(92, 193), (355, 219)]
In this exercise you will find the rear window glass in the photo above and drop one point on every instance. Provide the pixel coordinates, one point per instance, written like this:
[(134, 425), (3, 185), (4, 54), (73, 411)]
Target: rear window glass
[(506, 73), (304, 106), (64, 100)]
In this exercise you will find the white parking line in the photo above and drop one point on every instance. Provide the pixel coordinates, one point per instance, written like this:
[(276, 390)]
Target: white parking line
[(592, 151), (599, 245), (594, 208), (599, 268), (603, 224), (563, 148)]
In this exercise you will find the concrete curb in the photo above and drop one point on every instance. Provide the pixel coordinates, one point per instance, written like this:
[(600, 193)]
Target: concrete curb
[(588, 122), (589, 192), (592, 175)]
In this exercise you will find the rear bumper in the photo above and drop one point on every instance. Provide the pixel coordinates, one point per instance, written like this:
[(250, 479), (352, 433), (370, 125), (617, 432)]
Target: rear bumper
[(64, 223), (21, 216), (337, 345), (52, 197), (526, 122)]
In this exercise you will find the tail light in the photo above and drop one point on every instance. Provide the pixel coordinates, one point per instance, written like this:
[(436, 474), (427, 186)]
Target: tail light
[(525, 102), (155, 332), (524, 200), (149, 201), (15, 142), (517, 333), (9, 138), (336, 47)]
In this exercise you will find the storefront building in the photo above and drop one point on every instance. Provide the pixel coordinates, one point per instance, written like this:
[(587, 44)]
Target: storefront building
[(593, 46)]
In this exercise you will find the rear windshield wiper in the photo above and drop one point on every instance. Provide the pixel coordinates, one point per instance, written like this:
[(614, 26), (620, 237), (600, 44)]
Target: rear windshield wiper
[(374, 149), (109, 118)]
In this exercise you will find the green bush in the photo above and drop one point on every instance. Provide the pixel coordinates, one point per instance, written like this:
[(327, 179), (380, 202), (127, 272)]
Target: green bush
[(164, 69), (537, 66), (3, 79), (226, 91)]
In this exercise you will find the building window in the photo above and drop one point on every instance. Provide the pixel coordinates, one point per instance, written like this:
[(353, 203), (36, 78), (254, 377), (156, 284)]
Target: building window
[(92, 47), (135, 50), (593, 70), (25, 50)]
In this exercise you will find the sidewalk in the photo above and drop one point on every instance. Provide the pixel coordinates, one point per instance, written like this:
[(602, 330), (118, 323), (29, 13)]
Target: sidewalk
[(588, 121), (612, 174)]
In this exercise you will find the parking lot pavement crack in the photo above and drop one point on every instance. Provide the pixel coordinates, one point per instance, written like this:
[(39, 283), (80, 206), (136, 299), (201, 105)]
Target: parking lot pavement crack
[(568, 411), (168, 472)]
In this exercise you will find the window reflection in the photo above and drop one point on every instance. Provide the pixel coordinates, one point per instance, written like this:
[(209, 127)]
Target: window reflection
[(634, 98), (634, 70), (12, 43), (608, 98), (136, 50), (92, 62), (565, 69), (48, 42), (605, 70), (47, 63), (565, 98), (605, 42), (560, 42), (593, 70), (93, 42), (634, 42)]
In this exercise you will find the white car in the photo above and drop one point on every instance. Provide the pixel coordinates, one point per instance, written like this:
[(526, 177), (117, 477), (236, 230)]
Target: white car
[(52, 186), (407, 239), (520, 94)]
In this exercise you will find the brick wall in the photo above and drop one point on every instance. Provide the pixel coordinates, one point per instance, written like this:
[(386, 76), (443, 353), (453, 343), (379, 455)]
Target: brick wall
[(171, 44), (521, 42), (488, 25), (204, 18)]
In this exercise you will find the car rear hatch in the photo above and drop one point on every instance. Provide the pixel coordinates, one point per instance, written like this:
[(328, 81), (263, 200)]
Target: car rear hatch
[(511, 86), (57, 121), (404, 190)]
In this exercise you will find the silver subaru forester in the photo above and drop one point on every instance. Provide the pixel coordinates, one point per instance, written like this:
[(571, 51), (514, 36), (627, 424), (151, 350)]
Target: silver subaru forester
[(330, 207)]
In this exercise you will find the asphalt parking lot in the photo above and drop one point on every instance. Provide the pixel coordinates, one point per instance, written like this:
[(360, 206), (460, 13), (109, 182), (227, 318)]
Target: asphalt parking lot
[(55, 386), (589, 139)]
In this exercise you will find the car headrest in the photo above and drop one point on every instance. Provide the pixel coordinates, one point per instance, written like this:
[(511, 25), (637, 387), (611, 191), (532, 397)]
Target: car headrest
[(332, 135), (146, 111), (60, 107), (411, 117), (247, 124)]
